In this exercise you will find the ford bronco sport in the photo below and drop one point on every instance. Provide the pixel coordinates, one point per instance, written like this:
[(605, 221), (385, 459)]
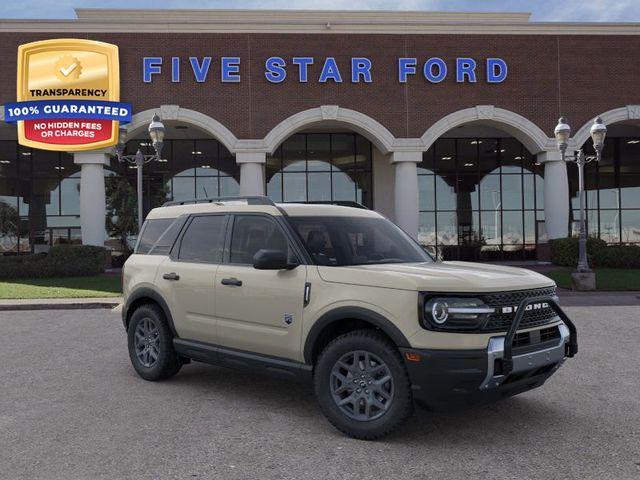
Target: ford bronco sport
[(339, 296)]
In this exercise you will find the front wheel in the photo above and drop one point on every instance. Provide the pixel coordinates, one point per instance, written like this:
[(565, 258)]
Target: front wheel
[(362, 385), (151, 344)]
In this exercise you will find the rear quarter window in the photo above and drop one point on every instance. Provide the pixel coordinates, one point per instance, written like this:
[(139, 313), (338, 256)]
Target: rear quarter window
[(151, 232)]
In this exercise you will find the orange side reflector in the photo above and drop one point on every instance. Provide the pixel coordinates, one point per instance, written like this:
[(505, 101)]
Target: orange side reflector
[(412, 357)]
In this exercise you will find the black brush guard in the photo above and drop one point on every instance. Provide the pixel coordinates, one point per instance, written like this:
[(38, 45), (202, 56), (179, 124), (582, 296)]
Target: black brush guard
[(572, 346)]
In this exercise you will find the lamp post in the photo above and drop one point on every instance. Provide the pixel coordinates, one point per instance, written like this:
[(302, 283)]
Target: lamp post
[(562, 133), (156, 133)]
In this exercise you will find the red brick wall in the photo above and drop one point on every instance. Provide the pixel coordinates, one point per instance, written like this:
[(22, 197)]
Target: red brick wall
[(578, 76)]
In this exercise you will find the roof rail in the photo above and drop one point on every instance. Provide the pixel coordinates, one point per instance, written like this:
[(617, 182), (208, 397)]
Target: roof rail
[(341, 203), (251, 200)]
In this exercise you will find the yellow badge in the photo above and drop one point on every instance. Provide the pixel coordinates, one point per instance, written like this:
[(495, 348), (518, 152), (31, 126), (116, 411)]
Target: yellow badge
[(70, 92)]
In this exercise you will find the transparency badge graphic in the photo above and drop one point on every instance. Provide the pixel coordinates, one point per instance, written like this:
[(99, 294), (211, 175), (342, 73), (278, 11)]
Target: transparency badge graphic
[(68, 95)]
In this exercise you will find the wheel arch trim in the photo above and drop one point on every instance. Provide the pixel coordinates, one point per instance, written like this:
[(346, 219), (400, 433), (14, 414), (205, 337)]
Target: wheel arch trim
[(351, 313), (147, 293)]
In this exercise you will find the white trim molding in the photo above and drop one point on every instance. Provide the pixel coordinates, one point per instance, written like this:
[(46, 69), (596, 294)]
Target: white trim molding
[(531, 136), (140, 121), (356, 121), (622, 114), (199, 21)]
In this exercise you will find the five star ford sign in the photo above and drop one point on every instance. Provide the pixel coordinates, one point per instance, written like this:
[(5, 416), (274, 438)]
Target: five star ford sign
[(68, 95)]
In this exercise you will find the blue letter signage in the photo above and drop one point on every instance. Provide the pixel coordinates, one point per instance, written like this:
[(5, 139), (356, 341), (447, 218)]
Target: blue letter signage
[(429, 70)]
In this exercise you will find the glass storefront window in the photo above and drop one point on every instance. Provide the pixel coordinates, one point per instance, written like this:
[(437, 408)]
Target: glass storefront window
[(612, 192), (342, 186), (512, 192), (319, 152), (479, 199), (447, 228), (8, 159), (207, 187), (490, 195), (321, 167), (319, 186), (630, 224), (426, 187), (630, 189), (445, 194)]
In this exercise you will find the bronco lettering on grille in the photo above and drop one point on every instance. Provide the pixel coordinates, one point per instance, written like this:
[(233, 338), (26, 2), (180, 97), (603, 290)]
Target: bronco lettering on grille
[(531, 306)]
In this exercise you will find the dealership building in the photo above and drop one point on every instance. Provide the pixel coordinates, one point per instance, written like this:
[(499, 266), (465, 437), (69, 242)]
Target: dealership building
[(443, 122)]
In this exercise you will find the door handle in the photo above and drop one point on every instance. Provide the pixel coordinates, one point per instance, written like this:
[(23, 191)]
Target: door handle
[(171, 276), (233, 282)]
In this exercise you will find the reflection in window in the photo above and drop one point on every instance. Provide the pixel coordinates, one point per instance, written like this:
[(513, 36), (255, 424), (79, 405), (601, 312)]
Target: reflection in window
[(612, 191), (321, 167), (43, 187), (480, 199)]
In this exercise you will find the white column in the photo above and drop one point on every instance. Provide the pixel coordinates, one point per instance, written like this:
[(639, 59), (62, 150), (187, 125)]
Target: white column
[(251, 172), (406, 190), (93, 209), (556, 194)]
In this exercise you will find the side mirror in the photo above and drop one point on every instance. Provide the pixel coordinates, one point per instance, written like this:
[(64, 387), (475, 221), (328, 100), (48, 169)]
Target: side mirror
[(272, 260)]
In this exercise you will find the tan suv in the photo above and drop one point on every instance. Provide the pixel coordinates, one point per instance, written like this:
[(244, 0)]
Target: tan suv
[(339, 296)]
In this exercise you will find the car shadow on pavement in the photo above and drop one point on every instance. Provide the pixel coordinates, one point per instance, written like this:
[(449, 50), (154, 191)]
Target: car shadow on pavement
[(502, 421)]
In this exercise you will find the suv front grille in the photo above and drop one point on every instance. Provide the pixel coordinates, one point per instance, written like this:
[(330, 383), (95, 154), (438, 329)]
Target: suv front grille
[(500, 320)]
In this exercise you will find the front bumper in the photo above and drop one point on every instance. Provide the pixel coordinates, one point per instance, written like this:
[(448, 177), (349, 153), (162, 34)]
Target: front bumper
[(445, 380)]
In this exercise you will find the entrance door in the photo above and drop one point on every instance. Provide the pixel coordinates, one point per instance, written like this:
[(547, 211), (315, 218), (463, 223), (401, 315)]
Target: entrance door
[(187, 279), (259, 310)]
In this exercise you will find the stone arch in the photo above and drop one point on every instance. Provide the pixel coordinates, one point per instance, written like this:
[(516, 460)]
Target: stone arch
[(374, 131), (141, 120), (527, 132), (622, 114)]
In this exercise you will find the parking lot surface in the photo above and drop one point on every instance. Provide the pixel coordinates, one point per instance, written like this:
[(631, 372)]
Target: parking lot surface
[(71, 407)]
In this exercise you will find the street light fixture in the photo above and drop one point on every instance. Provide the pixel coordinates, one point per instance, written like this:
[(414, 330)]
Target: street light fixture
[(562, 133), (156, 133)]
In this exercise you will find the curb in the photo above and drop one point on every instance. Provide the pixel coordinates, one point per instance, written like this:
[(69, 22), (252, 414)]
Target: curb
[(79, 305)]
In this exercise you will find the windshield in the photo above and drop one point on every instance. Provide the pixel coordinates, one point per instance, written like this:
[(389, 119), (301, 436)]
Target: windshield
[(344, 241)]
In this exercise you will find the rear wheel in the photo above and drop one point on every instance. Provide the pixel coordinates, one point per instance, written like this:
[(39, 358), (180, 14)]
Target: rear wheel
[(362, 385), (151, 344)]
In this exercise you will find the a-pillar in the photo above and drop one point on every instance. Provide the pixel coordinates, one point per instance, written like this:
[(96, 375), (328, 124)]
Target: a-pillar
[(406, 190), (556, 194), (251, 172), (93, 208)]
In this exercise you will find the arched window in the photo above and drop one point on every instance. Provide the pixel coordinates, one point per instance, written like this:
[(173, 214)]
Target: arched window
[(480, 199), (189, 169), (321, 167)]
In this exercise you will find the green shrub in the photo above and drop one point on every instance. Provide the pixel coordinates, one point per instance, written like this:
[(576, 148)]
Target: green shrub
[(618, 256), (61, 261), (564, 252)]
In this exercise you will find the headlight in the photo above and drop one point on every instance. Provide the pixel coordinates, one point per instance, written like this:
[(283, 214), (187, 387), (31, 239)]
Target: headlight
[(455, 313)]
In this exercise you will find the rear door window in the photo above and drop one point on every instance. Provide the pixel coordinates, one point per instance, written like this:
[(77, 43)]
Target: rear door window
[(203, 240)]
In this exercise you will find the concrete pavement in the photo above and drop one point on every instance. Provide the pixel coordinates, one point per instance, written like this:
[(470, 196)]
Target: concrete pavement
[(71, 407)]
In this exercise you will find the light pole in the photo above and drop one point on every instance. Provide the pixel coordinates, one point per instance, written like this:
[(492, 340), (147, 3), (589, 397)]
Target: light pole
[(562, 133), (156, 133)]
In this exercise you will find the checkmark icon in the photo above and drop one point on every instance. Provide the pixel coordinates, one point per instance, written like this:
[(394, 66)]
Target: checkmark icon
[(68, 68), (66, 71)]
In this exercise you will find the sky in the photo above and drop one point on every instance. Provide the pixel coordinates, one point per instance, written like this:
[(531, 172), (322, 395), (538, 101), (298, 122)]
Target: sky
[(542, 10)]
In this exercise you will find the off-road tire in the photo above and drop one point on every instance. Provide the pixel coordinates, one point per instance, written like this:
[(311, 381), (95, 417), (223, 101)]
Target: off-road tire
[(167, 363), (399, 409)]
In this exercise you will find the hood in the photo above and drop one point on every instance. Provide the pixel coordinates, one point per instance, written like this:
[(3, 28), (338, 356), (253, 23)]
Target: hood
[(460, 277)]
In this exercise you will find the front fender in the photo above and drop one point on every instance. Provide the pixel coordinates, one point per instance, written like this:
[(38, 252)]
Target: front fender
[(356, 313), (147, 293)]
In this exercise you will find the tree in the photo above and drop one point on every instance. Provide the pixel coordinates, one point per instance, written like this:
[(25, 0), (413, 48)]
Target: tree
[(9, 221), (122, 217)]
